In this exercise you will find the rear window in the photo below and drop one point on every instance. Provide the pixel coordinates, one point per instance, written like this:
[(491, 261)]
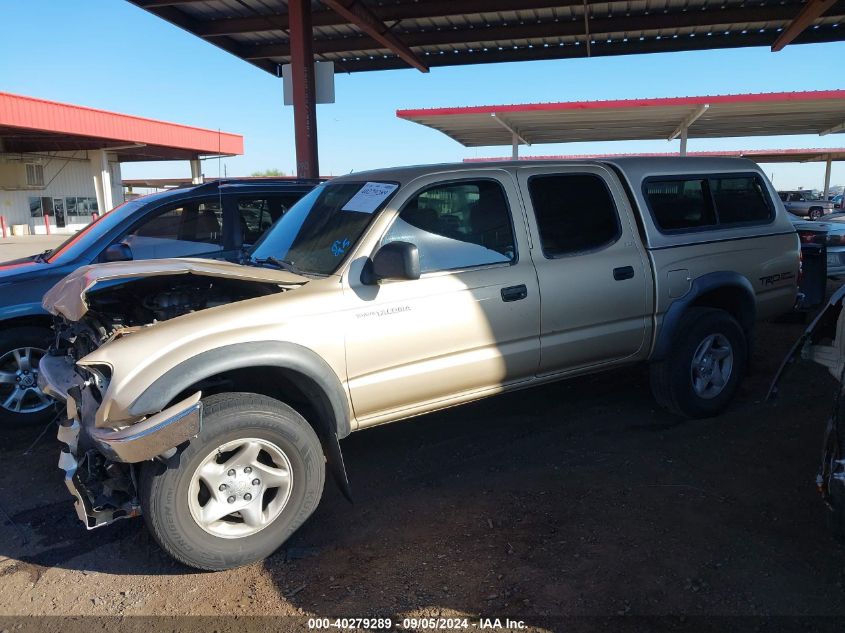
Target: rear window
[(712, 201), (575, 213)]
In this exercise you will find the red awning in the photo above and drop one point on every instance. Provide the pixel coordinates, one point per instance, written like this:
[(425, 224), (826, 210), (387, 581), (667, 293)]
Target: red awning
[(28, 124)]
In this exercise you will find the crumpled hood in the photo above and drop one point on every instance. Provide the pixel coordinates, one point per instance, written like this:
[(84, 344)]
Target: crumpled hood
[(67, 298)]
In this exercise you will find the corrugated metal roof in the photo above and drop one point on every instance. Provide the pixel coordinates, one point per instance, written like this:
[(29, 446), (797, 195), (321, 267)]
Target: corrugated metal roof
[(454, 32), (766, 114)]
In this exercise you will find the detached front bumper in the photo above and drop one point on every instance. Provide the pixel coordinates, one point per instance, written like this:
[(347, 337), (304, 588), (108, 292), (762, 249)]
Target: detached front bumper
[(137, 442), (104, 450)]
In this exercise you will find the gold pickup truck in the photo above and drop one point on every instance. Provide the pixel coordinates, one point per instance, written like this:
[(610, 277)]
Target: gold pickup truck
[(210, 397)]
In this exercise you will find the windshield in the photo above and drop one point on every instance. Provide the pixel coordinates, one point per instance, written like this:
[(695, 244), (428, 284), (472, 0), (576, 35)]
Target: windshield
[(318, 232), (77, 243)]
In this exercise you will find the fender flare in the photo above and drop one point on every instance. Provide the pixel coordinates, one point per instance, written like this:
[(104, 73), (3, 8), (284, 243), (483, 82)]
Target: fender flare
[(321, 385), (283, 355), (701, 286)]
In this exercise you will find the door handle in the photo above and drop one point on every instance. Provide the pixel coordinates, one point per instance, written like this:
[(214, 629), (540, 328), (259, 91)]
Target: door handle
[(623, 272), (514, 293)]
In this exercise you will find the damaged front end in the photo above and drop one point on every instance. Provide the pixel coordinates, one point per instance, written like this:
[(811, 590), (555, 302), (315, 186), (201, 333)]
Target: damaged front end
[(95, 307), (823, 342), (100, 464)]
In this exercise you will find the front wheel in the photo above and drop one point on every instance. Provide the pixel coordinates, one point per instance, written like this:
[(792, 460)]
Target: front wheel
[(704, 366), (237, 492), (815, 213)]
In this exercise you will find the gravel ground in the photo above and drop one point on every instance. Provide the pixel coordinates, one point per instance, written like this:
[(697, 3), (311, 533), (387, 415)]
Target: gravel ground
[(574, 499)]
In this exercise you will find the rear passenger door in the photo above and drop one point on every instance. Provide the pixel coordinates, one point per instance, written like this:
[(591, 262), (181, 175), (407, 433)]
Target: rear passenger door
[(595, 283)]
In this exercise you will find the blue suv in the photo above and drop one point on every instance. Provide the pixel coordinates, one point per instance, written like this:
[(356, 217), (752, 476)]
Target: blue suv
[(217, 220)]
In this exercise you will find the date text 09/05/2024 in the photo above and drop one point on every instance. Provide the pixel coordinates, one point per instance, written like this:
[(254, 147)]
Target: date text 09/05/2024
[(415, 623)]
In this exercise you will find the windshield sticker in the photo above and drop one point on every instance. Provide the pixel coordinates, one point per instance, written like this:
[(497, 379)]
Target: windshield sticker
[(339, 247), (369, 197)]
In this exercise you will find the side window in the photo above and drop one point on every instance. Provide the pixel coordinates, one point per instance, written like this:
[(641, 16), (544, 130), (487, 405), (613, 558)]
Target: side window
[(185, 229), (795, 197), (740, 199), (678, 204), (575, 213), (256, 214), (782, 195), (457, 225)]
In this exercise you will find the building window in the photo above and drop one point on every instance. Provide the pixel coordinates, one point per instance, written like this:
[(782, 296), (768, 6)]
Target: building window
[(34, 175), (35, 207)]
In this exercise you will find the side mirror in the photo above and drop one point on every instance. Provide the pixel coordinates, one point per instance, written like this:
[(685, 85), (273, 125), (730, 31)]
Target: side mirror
[(119, 252), (396, 260)]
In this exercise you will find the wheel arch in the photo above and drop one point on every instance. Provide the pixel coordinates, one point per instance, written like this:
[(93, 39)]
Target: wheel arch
[(288, 372), (723, 290)]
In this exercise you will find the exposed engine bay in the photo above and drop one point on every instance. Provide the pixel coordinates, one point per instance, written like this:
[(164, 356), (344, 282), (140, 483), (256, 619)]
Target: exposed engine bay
[(104, 482), (118, 309)]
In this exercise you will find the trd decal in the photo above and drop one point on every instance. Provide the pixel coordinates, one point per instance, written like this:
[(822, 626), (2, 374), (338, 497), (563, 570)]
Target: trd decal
[(770, 280)]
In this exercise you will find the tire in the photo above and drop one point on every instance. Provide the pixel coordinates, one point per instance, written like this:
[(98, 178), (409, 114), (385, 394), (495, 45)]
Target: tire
[(171, 493), (673, 380), (21, 402), (815, 213)]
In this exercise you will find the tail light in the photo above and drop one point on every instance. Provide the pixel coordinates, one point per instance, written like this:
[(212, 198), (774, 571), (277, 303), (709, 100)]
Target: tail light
[(811, 237), (835, 240)]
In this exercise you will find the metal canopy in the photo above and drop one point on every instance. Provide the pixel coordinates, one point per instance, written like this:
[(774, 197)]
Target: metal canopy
[(813, 155), (30, 125), (767, 114), (363, 35)]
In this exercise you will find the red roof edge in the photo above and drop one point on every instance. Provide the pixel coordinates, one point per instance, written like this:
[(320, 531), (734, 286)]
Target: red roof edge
[(764, 97), (738, 153), (62, 118)]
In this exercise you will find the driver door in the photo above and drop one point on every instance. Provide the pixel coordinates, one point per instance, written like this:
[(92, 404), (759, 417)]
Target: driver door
[(469, 325)]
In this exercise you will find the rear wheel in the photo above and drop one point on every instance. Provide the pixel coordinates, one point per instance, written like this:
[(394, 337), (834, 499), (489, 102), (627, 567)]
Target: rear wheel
[(706, 362), (21, 401), (237, 492)]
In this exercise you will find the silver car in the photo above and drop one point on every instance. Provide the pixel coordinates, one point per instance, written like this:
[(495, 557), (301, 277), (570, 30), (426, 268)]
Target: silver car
[(805, 202)]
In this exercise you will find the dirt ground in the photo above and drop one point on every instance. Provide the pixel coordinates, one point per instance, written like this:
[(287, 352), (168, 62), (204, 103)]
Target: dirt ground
[(574, 499)]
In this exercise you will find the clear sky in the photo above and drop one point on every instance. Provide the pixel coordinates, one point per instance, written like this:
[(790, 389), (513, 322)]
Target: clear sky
[(109, 54)]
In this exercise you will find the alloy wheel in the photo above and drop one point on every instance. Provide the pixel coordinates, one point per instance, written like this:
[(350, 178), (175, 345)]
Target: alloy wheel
[(19, 392), (712, 365), (240, 488)]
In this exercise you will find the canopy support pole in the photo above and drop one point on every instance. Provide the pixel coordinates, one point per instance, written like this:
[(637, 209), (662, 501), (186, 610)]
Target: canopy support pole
[(304, 93), (516, 137), (196, 171), (684, 142), (827, 177)]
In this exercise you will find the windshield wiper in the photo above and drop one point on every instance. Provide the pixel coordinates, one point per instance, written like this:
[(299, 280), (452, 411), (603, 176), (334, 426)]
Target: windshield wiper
[(280, 263), (42, 256)]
